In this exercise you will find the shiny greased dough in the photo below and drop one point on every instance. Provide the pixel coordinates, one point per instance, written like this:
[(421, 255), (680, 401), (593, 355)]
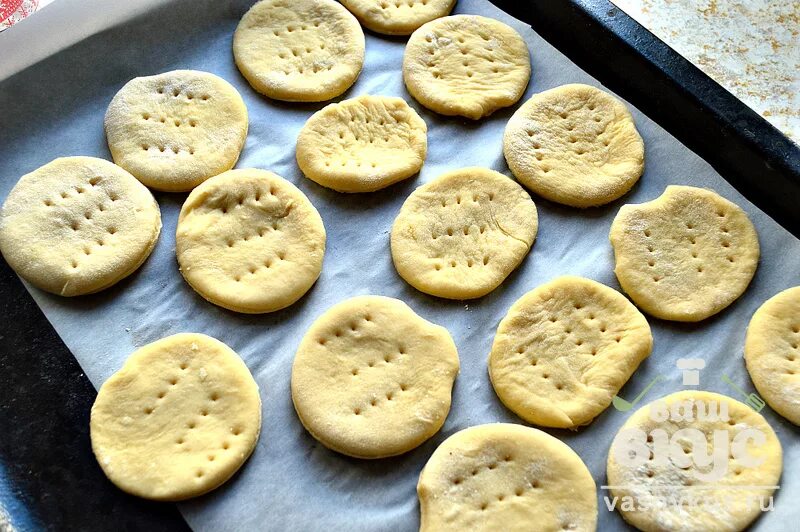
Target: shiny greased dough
[(174, 130), (250, 241), (506, 477), (397, 17), (565, 349), (363, 144), (78, 225), (372, 379), (772, 352), (575, 145), (177, 420), (662, 479), (466, 65), (686, 255), (460, 235), (299, 50)]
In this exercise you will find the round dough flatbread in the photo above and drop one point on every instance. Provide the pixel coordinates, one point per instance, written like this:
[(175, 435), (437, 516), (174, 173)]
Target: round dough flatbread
[(177, 420), (250, 241), (174, 130), (507, 477), (397, 17), (565, 349), (772, 353), (686, 255), (466, 65), (654, 465), (78, 225), (373, 379), (575, 145), (460, 235), (363, 144), (299, 50)]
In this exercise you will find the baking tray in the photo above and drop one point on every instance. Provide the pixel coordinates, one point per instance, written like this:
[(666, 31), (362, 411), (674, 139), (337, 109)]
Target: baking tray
[(48, 476)]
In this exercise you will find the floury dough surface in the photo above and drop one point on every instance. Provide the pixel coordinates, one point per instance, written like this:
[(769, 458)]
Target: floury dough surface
[(290, 480)]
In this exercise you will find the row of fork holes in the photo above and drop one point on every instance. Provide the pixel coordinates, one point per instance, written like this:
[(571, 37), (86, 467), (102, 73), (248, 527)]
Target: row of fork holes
[(177, 122), (177, 92)]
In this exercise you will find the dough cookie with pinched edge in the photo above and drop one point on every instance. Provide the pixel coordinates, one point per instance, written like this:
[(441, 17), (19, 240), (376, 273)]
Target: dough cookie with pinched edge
[(772, 352), (372, 379), (466, 65), (393, 17), (685, 255), (656, 478), (174, 130), (363, 144), (299, 50), (565, 349), (250, 241), (78, 225), (460, 235), (177, 420), (575, 145), (502, 476)]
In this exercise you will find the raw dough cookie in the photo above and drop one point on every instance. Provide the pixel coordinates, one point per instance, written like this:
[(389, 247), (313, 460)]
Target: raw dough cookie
[(363, 144), (565, 349), (397, 17), (466, 65), (250, 241), (772, 353), (653, 463), (177, 420), (373, 379), (460, 235), (575, 145), (506, 477), (174, 130), (299, 50), (78, 225), (686, 255)]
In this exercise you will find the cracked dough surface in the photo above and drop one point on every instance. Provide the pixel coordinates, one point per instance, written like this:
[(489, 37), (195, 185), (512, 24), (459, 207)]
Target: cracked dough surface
[(177, 420), (565, 349), (363, 144), (299, 50), (397, 17), (733, 501), (372, 379), (466, 65), (460, 235), (575, 145), (772, 352), (78, 225), (502, 476), (250, 241), (685, 255), (174, 130)]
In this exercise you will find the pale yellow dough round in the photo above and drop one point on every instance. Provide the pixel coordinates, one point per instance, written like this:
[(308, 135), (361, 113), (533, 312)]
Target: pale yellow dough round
[(575, 145), (565, 349), (250, 241), (397, 17), (174, 130), (466, 65), (78, 225), (177, 420), (506, 477), (662, 493), (460, 235), (299, 50), (363, 144), (372, 379), (685, 255), (772, 352)]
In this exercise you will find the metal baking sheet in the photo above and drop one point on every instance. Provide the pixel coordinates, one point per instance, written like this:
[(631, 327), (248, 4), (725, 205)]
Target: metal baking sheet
[(291, 482)]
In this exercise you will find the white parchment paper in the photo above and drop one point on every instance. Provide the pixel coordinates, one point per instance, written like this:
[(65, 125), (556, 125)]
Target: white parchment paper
[(291, 482)]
